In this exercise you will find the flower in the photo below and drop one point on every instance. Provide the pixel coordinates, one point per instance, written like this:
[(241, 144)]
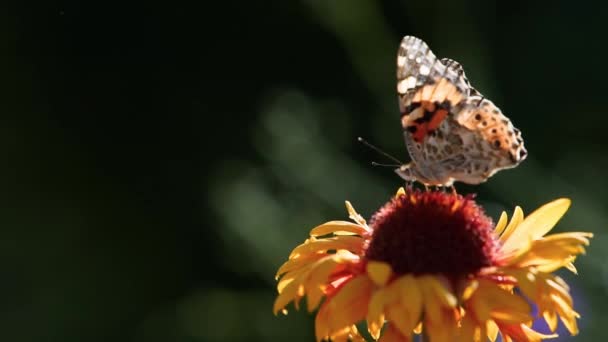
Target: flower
[(433, 263)]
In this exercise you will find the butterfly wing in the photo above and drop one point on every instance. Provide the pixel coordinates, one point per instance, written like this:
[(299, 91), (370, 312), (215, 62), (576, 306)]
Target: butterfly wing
[(428, 90), (457, 67), (451, 131)]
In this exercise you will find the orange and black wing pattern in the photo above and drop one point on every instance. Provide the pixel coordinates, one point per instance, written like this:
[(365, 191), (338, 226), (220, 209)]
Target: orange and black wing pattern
[(429, 89)]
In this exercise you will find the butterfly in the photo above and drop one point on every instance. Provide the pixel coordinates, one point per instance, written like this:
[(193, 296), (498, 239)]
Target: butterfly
[(452, 132)]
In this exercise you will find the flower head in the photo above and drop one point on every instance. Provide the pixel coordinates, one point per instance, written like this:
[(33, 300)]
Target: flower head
[(434, 263)]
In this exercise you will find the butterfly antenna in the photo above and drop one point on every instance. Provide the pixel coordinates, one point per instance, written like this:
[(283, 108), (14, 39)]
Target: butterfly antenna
[(386, 165), (364, 142)]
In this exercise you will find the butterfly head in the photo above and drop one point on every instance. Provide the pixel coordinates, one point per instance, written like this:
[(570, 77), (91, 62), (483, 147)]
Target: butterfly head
[(406, 172)]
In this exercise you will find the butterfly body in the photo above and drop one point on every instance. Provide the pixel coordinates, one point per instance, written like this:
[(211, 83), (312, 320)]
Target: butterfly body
[(452, 132)]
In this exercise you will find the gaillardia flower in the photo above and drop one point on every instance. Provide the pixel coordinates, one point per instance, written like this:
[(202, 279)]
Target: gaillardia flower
[(433, 263)]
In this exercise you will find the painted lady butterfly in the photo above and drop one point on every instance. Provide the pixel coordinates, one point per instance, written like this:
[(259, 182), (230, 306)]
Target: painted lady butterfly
[(452, 132)]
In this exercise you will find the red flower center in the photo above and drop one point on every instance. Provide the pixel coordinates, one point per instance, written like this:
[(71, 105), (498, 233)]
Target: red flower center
[(432, 232)]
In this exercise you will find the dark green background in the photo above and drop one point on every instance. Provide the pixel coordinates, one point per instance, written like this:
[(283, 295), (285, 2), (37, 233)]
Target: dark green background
[(161, 159)]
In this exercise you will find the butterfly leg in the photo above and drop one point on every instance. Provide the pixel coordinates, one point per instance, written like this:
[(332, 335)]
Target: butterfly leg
[(409, 186), (453, 188)]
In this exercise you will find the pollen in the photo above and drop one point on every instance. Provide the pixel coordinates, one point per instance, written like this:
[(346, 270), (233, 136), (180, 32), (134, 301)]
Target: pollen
[(432, 233)]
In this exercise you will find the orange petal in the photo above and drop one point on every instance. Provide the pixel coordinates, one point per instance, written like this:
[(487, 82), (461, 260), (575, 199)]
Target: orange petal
[(322, 329), (399, 317), (468, 328), (293, 275), (338, 228), (391, 334), (350, 243), (299, 262), (350, 303)]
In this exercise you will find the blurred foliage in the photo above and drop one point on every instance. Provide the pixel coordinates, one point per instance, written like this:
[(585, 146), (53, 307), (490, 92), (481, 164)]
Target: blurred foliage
[(162, 159)]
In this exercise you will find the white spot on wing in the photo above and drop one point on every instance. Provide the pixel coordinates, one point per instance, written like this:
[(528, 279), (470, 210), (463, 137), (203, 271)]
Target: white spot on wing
[(424, 70), (400, 61), (406, 84)]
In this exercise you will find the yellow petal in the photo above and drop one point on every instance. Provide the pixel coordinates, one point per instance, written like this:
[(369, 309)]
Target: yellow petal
[(375, 327), (551, 319), (492, 329), (354, 215), (321, 271), (552, 252), (442, 293), (526, 281), (379, 272), (569, 266), (411, 299), (400, 192), (554, 265), (375, 313), (521, 332), (317, 279), (559, 290), (566, 314), (490, 300), (432, 305), (537, 224), (501, 225), (469, 289), (291, 276), (518, 216), (444, 329), (338, 228), (293, 291), (347, 334)]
